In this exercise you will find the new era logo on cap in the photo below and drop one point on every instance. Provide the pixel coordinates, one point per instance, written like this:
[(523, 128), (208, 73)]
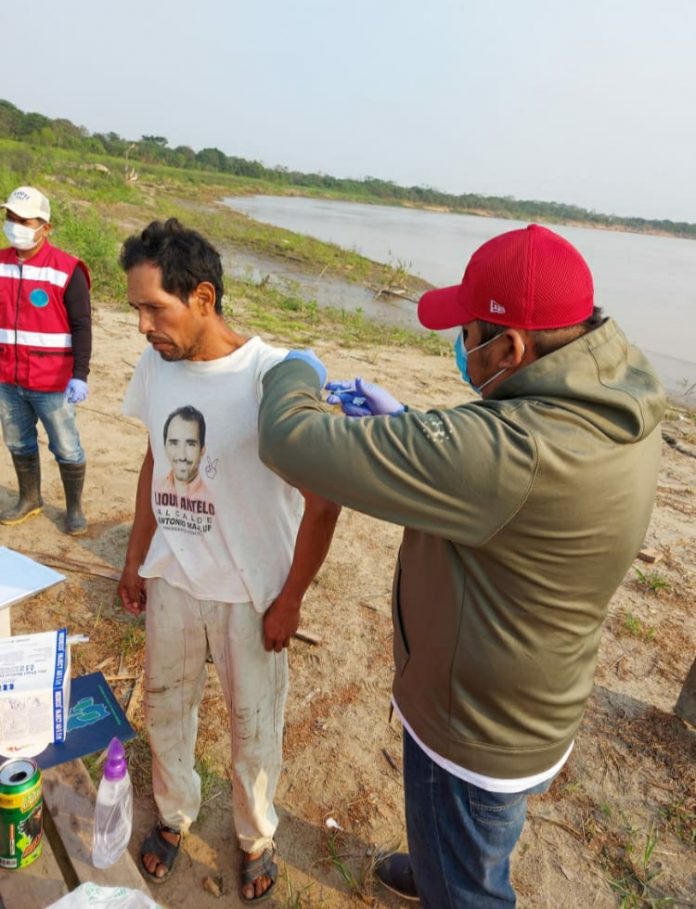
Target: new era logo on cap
[(497, 307)]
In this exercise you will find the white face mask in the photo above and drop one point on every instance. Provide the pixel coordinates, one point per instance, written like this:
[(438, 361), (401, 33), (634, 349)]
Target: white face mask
[(21, 237)]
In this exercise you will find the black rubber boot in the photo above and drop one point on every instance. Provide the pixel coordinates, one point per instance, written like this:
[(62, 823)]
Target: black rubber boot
[(28, 469), (73, 477)]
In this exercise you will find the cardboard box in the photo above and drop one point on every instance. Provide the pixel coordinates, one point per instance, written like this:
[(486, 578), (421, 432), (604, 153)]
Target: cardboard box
[(34, 690)]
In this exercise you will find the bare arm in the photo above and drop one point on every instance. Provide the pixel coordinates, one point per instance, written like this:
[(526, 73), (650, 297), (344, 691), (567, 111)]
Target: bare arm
[(131, 587), (282, 617)]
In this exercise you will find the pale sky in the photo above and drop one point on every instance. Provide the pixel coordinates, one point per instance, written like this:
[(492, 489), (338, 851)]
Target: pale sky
[(590, 102)]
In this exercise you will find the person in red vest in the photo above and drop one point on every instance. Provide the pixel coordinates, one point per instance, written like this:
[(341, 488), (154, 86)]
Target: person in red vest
[(45, 348)]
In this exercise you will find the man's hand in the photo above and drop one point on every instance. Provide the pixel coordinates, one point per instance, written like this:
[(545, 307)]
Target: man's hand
[(131, 589), (309, 357), (363, 399), (76, 392), (280, 621)]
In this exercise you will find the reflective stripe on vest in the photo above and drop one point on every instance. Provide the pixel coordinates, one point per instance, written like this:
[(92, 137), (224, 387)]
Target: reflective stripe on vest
[(35, 338), (32, 273)]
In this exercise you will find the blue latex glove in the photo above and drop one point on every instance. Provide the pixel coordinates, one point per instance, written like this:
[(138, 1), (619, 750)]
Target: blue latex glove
[(76, 392), (363, 399), (308, 356)]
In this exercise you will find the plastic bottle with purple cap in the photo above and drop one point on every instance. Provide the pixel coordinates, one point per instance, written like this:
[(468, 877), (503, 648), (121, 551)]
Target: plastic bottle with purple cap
[(113, 814)]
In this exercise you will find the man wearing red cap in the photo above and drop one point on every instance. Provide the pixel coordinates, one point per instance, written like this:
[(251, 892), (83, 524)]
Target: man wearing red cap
[(45, 348), (522, 513)]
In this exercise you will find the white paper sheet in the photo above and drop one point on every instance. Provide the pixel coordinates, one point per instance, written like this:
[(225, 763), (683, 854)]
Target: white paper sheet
[(21, 577)]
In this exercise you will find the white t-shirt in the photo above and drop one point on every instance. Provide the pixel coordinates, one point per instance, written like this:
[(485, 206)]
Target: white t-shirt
[(226, 524), (489, 783)]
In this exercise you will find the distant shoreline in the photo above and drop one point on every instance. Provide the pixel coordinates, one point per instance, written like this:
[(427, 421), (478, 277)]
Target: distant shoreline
[(587, 225), (530, 217), (302, 192)]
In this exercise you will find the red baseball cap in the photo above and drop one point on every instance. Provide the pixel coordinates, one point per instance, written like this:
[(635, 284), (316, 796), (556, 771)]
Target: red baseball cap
[(529, 278)]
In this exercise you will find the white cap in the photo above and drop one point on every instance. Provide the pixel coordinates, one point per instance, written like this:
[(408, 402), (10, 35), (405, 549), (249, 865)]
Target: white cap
[(27, 202)]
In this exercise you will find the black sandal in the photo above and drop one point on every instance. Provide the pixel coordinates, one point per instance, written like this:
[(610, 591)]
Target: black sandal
[(252, 869), (165, 852)]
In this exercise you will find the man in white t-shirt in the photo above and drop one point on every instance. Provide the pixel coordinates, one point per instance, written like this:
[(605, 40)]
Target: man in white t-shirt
[(218, 563)]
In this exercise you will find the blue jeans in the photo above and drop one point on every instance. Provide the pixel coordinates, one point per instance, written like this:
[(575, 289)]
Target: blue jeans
[(20, 409), (460, 837)]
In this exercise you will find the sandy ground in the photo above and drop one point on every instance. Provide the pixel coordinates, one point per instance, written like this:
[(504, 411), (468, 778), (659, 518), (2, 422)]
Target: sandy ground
[(632, 771)]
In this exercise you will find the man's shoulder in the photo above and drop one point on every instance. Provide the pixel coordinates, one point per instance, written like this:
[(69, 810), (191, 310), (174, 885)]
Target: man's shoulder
[(259, 347), (267, 355)]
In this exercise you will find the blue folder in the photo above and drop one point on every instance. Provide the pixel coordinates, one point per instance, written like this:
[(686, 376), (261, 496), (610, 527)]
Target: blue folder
[(94, 718)]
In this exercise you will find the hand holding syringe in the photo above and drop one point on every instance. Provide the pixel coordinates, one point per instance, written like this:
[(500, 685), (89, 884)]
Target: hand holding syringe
[(363, 399)]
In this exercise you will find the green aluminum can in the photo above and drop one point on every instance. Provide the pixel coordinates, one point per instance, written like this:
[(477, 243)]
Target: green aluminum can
[(21, 813)]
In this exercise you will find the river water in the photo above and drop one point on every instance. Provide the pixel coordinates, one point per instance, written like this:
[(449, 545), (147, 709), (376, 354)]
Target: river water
[(647, 283)]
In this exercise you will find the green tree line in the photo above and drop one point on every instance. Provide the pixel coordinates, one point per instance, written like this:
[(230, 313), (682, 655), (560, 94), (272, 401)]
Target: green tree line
[(38, 130)]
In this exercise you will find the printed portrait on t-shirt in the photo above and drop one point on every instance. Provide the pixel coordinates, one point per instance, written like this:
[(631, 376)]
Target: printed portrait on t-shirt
[(182, 499)]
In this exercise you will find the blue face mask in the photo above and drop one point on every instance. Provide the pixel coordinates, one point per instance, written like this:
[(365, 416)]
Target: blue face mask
[(461, 355)]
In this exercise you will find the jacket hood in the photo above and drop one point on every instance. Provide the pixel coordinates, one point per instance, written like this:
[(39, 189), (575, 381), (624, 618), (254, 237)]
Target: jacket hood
[(600, 377)]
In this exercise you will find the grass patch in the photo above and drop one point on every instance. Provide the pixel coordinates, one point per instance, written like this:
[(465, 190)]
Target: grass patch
[(360, 886), (652, 581), (635, 877), (290, 897), (89, 236), (132, 639), (625, 851), (680, 818), (633, 626), (302, 323), (361, 883)]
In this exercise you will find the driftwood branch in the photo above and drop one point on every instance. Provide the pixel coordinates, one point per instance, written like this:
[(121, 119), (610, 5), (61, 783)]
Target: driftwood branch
[(677, 446), (68, 564), (387, 291), (307, 637), (129, 421), (135, 698), (548, 820), (389, 759)]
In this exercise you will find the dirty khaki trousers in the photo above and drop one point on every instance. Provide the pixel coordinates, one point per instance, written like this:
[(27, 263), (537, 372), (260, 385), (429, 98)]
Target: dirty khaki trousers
[(180, 632)]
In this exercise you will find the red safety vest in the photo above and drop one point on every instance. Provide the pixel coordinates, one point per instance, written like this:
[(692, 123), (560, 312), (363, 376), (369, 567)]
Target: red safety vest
[(35, 339)]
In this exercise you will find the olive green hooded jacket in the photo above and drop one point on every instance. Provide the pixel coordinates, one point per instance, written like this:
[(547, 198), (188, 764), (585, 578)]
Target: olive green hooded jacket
[(522, 514)]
